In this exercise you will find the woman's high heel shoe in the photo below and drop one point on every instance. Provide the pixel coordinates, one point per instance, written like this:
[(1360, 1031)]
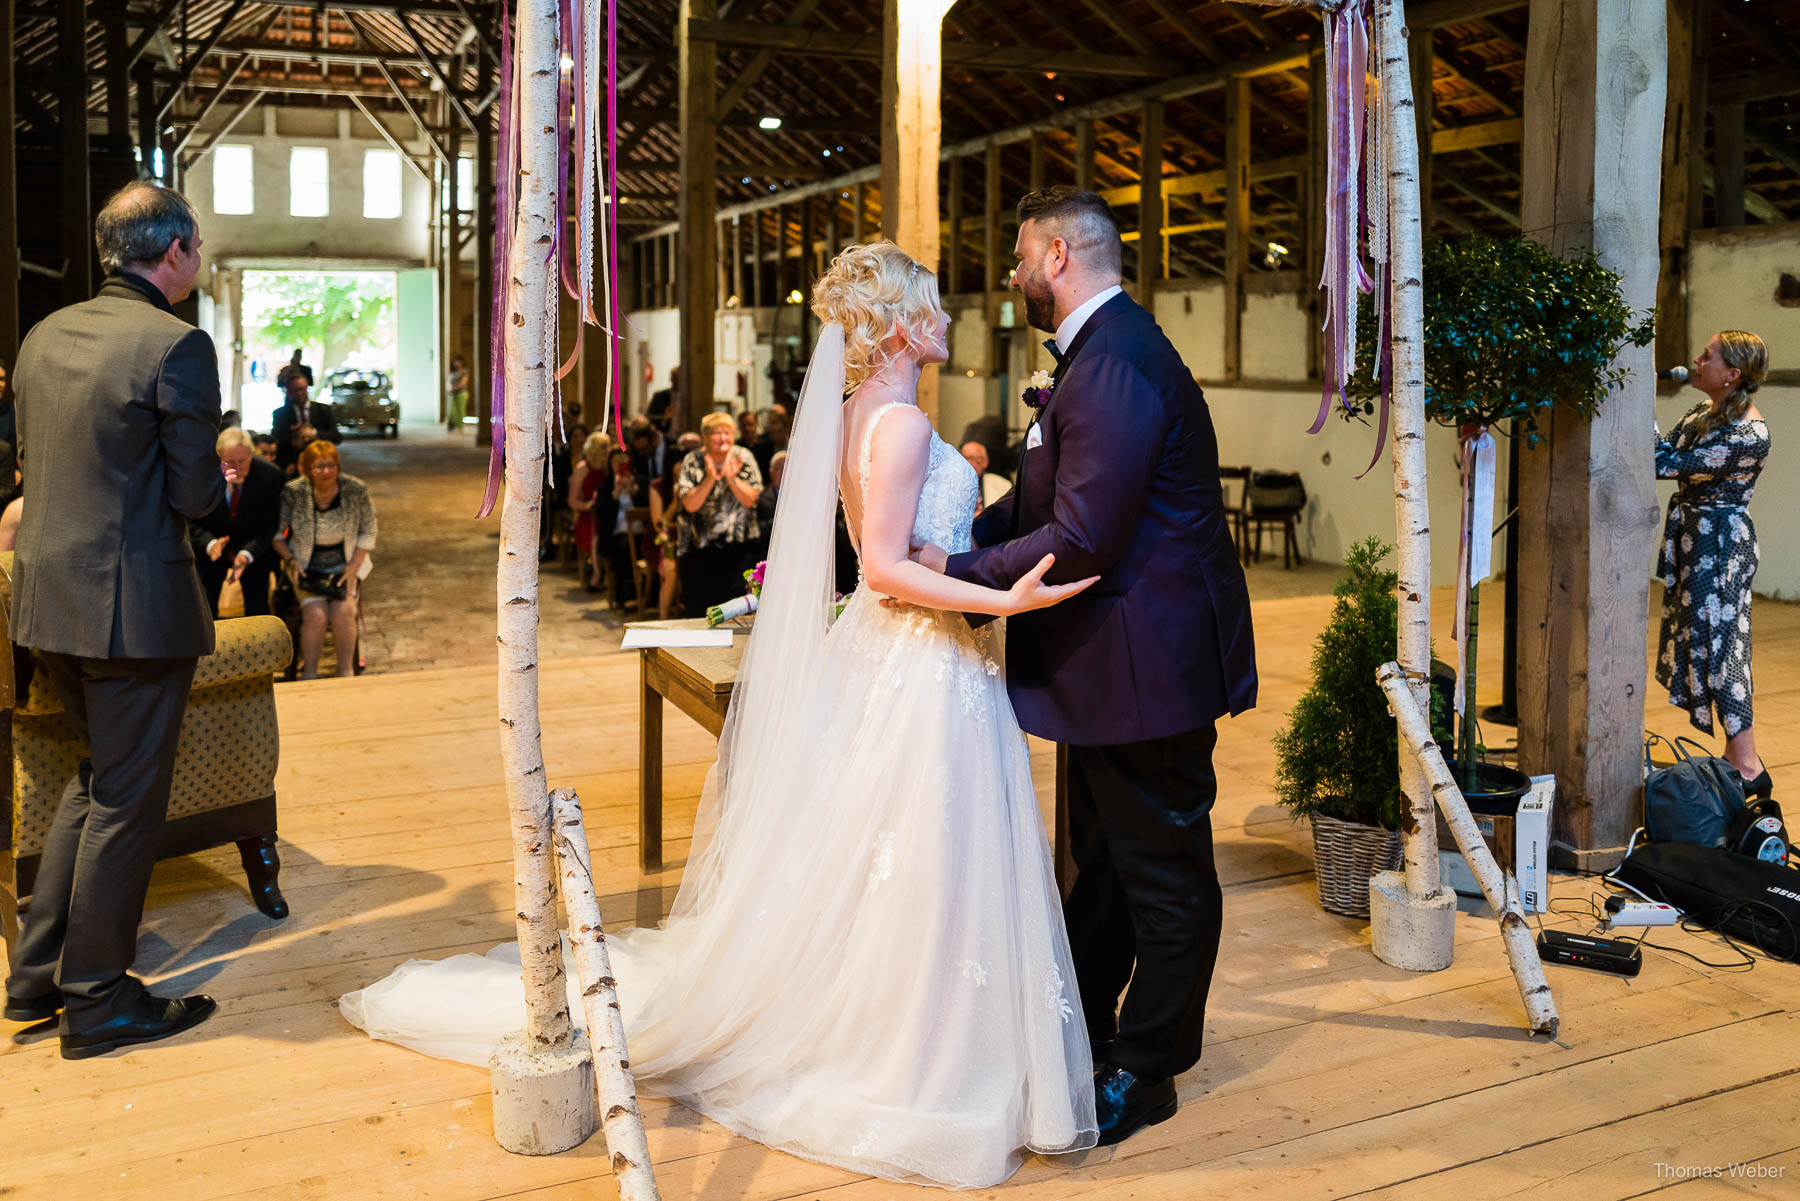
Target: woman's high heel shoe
[(1761, 787)]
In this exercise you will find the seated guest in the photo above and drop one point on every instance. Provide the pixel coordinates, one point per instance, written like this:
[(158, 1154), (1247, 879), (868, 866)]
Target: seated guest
[(717, 490), (765, 504), (265, 445), (747, 428), (329, 525), (776, 424), (287, 453), (664, 404), (300, 409), (618, 544), (591, 498), (556, 491), (993, 487), (233, 541)]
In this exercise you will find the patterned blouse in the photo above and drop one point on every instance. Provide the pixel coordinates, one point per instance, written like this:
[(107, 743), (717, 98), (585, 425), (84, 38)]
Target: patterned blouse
[(722, 519)]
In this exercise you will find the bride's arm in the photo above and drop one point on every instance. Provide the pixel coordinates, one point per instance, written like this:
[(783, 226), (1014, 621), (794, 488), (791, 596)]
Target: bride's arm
[(900, 456)]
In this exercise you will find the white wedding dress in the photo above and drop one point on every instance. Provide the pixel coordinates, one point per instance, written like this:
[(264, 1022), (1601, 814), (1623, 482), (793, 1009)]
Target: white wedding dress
[(866, 964)]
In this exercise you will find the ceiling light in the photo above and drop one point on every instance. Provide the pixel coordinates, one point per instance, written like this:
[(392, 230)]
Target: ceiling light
[(769, 123), (794, 297), (827, 154)]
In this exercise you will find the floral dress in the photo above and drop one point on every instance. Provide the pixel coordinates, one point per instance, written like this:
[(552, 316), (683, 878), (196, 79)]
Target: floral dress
[(1709, 557)]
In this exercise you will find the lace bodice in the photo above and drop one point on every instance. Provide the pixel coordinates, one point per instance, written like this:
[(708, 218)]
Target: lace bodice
[(946, 502)]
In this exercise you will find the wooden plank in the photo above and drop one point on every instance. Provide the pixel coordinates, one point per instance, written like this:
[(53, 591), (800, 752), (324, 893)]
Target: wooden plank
[(1237, 221), (1674, 216), (1473, 137), (1150, 203)]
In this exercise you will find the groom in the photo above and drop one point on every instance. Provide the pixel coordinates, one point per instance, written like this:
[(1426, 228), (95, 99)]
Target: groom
[(1120, 479)]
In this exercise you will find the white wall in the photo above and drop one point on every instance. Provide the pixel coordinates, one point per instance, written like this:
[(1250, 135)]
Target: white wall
[(271, 233)]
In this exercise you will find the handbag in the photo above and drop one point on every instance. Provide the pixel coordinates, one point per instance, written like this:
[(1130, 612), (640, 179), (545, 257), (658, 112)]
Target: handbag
[(324, 583), (1695, 799)]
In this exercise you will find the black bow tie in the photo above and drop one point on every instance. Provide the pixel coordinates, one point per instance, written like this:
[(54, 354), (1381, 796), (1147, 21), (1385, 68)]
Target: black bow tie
[(1055, 350)]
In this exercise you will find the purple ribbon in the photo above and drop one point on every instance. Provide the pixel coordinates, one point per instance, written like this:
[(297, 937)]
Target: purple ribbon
[(1344, 275), (506, 176)]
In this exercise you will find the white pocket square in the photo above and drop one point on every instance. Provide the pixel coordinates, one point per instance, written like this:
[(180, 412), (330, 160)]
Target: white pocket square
[(1034, 438)]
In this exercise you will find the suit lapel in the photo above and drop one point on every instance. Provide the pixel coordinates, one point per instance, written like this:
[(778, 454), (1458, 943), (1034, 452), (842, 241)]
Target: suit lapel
[(1112, 309)]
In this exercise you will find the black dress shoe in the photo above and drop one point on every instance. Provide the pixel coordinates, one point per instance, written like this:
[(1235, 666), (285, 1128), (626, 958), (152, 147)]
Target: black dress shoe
[(1101, 1050), (1761, 787), (1124, 1105), (33, 1009), (152, 1018)]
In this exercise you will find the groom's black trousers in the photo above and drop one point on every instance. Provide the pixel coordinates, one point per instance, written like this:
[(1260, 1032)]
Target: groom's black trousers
[(1146, 905)]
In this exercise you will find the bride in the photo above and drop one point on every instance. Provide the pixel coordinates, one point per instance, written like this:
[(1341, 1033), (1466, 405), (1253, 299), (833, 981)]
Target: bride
[(866, 964)]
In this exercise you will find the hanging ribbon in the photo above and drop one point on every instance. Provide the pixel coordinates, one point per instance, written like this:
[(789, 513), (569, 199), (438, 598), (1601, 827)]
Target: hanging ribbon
[(1343, 276), (1475, 547), (506, 174)]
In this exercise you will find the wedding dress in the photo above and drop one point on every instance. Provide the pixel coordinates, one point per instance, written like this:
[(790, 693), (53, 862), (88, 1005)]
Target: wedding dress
[(866, 964)]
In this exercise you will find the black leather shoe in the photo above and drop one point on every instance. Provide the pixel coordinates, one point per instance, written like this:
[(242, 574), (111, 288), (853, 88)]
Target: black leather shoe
[(1101, 1050), (33, 1009), (1761, 787), (152, 1018), (1124, 1105)]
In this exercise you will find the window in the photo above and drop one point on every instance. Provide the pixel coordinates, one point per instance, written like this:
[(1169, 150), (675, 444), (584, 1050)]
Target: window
[(234, 189), (465, 186), (381, 184), (309, 182)]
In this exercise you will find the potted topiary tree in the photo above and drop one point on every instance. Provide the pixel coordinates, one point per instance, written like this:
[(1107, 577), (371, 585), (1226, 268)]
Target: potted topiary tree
[(1337, 762), (1512, 331)]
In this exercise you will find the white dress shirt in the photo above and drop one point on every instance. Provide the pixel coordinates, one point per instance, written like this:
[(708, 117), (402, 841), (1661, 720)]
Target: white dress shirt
[(1071, 325)]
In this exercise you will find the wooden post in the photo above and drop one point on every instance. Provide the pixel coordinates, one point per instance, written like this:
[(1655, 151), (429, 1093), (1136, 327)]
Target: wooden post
[(756, 260), (809, 271), (952, 281), (1150, 205), (1588, 508), (911, 127), (9, 194), (118, 79), (1237, 220), (1084, 153), (859, 206), (990, 255), (72, 116), (1699, 82), (833, 232), (1423, 62), (1728, 165), (1313, 246), (737, 259), (1039, 144), (1679, 205)]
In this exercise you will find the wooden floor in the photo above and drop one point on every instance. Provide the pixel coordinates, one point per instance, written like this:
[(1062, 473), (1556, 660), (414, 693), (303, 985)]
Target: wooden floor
[(1326, 1075)]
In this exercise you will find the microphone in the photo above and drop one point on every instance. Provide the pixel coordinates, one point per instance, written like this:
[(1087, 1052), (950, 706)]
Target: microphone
[(1678, 374)]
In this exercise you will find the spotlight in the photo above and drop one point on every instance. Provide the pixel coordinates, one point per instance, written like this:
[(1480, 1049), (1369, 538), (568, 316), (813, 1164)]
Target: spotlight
[(769, 123), (794, 297)]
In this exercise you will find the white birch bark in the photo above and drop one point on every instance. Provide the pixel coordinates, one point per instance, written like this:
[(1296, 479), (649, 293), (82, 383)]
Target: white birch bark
[(529, 385), (1515, 931), (613, 1086), (1412, 514)]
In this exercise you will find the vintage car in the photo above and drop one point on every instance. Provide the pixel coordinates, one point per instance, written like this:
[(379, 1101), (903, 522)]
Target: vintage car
[(360, 400)]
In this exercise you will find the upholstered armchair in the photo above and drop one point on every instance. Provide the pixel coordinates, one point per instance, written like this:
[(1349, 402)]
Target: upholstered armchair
[(224, 785)]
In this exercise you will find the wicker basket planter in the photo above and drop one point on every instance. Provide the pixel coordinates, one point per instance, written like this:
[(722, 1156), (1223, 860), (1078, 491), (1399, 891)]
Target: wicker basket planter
[(1347, 854)]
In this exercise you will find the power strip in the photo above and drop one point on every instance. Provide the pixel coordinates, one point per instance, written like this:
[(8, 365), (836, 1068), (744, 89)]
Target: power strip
[(1641, 913)]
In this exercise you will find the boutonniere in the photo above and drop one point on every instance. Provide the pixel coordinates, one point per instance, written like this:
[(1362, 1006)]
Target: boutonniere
[(1037, 395)]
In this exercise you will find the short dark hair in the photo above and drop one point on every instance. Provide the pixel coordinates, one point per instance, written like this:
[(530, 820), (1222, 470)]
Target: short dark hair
[(139, 221), (1081, 218)]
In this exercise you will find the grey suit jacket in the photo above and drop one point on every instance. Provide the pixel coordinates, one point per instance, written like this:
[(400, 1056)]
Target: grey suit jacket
[(118, 403)]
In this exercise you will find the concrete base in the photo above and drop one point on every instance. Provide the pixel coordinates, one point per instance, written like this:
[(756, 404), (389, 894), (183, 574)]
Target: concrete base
[(1414, 933), (543, 1100)]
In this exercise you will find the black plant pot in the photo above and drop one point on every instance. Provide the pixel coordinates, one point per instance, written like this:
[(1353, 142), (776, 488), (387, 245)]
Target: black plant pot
[(1496, 789)]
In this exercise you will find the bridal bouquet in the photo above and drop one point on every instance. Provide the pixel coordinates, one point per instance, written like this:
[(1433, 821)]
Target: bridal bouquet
[(743, 606)]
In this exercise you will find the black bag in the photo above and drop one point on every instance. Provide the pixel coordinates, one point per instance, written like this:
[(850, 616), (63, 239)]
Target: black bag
[(1755, 902), (1695, 799), (1275, 493), (324, 583)]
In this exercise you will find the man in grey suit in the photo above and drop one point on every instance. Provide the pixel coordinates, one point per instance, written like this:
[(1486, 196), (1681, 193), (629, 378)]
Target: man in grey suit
[(118, 403)]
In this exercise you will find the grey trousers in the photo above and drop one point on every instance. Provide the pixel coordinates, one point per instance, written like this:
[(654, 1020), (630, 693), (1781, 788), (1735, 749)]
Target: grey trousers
[(79, 934)]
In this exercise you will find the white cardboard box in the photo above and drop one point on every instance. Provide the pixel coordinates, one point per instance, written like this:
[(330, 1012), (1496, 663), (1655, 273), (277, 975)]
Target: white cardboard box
[(1520, 843)]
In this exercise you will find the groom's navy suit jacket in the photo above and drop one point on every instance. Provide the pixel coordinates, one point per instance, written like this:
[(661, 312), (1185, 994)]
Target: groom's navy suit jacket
[(1125, 486)]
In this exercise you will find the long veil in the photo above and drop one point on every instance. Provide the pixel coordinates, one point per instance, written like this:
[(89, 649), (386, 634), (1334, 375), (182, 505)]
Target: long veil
[(778, 677)]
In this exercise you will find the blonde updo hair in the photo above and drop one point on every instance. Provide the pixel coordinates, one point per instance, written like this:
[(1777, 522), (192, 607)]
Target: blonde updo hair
[(1746, 352), (871, 291)]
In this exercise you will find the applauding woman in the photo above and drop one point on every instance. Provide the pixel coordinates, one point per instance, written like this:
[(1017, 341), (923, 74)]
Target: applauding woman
[(716, 491), (1709, 553)]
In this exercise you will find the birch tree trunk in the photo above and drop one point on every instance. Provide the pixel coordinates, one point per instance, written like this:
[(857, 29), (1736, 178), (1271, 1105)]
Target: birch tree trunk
[(1412, 513), (1515, 932), (530, 349), (615, 1091)]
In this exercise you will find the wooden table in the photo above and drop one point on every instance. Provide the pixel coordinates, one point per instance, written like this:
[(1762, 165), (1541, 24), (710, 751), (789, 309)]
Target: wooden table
[(699, 681), (696, 680)]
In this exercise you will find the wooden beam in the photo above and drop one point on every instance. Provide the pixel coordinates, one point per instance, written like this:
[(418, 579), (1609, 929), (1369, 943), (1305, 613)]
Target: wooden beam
[(212, 101), (1039, 145), (1237, 221), (1474, 191), (161, 18), (1747, 86), (991, 266), (912, 120), (1084, 153), (697, 67), (118, 82), (1728, 160), (830, 43), (206, 48), (1419, 44), (382, 129), (859, 207), (1150, 203), (1208, 181), (1588, 511), (1471, 137), (759, 62), (1312, 257), (952, 255), (224, 131), (437, 72), (1754, 203), (1674, 213), (72, 113)]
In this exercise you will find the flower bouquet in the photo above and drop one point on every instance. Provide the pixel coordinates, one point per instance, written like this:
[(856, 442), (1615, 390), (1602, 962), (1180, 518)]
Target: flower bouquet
[(745, 605)]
